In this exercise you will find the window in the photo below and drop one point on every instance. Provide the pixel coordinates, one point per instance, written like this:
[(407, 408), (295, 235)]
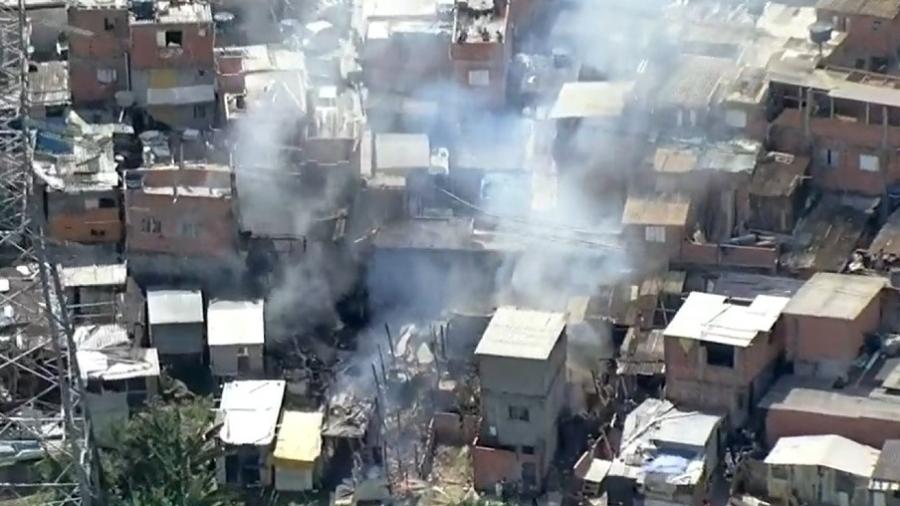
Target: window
[(199, 111), (479, 78), (169, 38), (528, 450), (106, 203), (106, 76), (91, 203), (519, 413), (654, 233), (720, 355), (191, 230), (868, 163), (876, 25), (109, 24), (779, 472), (151, 226), (529, 474), (829, 158)]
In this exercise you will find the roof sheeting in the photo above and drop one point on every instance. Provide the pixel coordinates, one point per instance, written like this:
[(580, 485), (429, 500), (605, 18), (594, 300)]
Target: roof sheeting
[(788, 395), (181, 95), (98, 337), (521, 333), (174, 306), (831, 451), (835, 296), (94, 275), (118, 363), (663, 210), (300, 437), (231, 322), (591, 99), (887, 468), (250, 410), (708, 317)]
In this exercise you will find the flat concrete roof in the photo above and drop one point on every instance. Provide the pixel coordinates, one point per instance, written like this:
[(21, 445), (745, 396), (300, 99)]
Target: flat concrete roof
[(835, 296)]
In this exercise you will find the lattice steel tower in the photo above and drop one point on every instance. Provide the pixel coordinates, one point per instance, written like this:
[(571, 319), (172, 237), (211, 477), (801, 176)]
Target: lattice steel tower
[(45, 450)]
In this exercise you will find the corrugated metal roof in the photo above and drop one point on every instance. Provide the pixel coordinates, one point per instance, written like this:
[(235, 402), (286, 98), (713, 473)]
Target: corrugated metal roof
[(98, 337), (831, 451), (888, 466), (835, 296), (94, 275), (789, 394), (235, 322), (251, 409), (300, 436), (521, 333), (708, 317), (174, 306), (118, 363)]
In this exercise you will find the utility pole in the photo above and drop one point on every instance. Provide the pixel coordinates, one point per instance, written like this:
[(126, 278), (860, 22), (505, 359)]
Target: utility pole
[(42, 412)]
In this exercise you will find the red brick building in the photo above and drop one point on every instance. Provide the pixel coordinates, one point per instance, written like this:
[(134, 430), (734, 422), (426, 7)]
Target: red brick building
[(172, 63), (827, 320), (481, 49), (720, 355), (181, 211), (98, 47), (872, 27)]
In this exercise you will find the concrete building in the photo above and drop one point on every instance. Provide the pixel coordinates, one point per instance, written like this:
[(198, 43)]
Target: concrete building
[(521, 362), (98, 50), (481, 50), (250, 411), (185, 211), (172, 64), (827, 321), (720, 355), (884, 488), (800, 407), (666, 456), (236, 337), (297, 452), (825, 469), (175, 319), (871, 29)]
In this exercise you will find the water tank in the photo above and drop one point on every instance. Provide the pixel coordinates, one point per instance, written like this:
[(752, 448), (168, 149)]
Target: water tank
[(820, 32), (143, 9), (223, 20)]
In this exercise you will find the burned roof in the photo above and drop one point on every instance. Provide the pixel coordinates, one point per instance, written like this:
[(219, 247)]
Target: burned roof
[(661, 209), (824, 239), (888, 239), (733, 156), (94, 275), (888, 466), (837, 296), (742, 285), (694, 82), (521, 333), (178, 13), (778, 175), (886, 9), (642, 353), (48, 83)]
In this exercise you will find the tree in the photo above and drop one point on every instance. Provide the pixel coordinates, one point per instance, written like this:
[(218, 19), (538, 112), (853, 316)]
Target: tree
[(164, 456)]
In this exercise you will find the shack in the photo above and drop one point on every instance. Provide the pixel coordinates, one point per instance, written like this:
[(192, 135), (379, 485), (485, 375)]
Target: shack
[(297, 450)]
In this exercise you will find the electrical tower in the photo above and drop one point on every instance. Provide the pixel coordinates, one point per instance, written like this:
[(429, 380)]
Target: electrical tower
[(45, 450)]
